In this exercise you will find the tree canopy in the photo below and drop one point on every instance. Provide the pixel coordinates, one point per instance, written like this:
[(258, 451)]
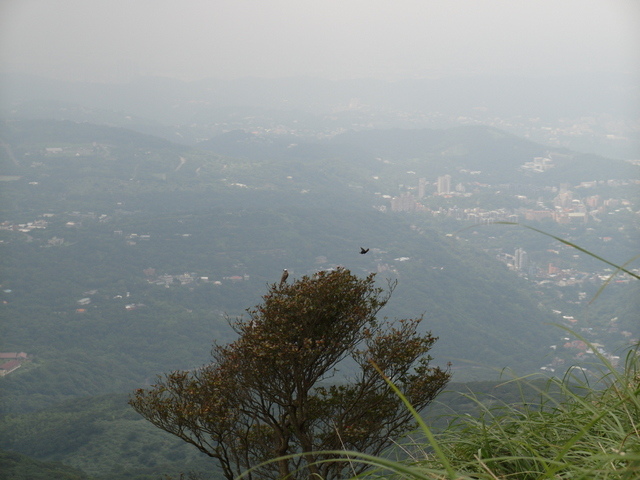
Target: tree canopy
[(270, 395)]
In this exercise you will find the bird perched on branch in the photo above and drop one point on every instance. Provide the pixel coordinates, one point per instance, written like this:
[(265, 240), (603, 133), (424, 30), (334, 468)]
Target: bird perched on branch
[(285, 275), (363, 250)]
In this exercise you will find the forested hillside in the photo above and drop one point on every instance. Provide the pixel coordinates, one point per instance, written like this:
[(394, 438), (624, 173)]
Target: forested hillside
[(124, 255), (120, 205)]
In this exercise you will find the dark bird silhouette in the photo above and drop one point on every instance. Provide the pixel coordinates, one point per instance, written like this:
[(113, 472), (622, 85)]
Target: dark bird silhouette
[(285, 275), (363, 250)]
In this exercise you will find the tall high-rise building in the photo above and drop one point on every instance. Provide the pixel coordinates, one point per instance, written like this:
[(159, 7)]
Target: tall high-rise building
[(422, 187), (521, 260), (444, 184), (563, 199)]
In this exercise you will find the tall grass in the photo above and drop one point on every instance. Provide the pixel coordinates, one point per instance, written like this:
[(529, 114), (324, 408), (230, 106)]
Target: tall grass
[(583, 427), (592, 432)]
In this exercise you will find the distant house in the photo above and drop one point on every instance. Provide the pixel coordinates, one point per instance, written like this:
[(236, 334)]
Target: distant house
[(8, 367), (13, 356), (14, 361)]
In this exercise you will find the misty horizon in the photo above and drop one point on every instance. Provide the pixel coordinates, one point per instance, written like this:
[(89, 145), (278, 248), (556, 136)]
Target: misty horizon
[(118, 41)]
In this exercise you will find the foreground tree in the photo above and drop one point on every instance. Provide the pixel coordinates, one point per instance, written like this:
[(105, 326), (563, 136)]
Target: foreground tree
[(266, 396)]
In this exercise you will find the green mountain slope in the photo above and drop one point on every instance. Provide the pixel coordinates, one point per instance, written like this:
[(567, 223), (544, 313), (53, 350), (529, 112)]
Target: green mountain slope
[(125, 210), (481, 312), (101, 436), (15, 466), (493, 155), (123, 256)]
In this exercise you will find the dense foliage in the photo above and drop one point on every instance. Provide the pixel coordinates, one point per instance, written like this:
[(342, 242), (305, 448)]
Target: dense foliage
[(267, 394), (15, 466), (101, 436)]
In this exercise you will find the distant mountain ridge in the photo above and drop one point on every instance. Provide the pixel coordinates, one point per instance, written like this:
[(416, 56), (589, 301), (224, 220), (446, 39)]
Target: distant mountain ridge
[(114, 160), (150, 96), (497, 156), (557, 109)]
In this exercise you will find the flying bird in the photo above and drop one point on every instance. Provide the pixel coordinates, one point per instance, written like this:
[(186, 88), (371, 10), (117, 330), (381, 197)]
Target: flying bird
[(363, 250), (285, 275)]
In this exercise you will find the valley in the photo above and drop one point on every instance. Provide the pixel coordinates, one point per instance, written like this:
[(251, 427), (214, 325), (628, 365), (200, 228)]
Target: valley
[(126, 255)]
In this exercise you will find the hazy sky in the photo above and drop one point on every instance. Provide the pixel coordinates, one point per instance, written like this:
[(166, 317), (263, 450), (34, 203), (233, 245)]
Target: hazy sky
[(335, 39)]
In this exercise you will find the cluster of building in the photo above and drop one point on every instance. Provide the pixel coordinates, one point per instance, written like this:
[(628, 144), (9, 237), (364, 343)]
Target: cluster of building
[(576, 350), (581, 204), (549, 272), (43, 223), (564, 207), (164, 280), (24, 227), (11, 361), (188, 278)]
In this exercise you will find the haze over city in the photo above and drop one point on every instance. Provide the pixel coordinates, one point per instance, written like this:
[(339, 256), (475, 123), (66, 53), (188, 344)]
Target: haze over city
[(115, 40)]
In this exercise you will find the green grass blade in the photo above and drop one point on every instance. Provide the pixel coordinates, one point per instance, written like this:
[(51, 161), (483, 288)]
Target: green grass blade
[(611, 277), (423, 426)]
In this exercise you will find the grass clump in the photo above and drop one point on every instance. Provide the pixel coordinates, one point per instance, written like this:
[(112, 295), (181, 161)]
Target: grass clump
[(583, 427)]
